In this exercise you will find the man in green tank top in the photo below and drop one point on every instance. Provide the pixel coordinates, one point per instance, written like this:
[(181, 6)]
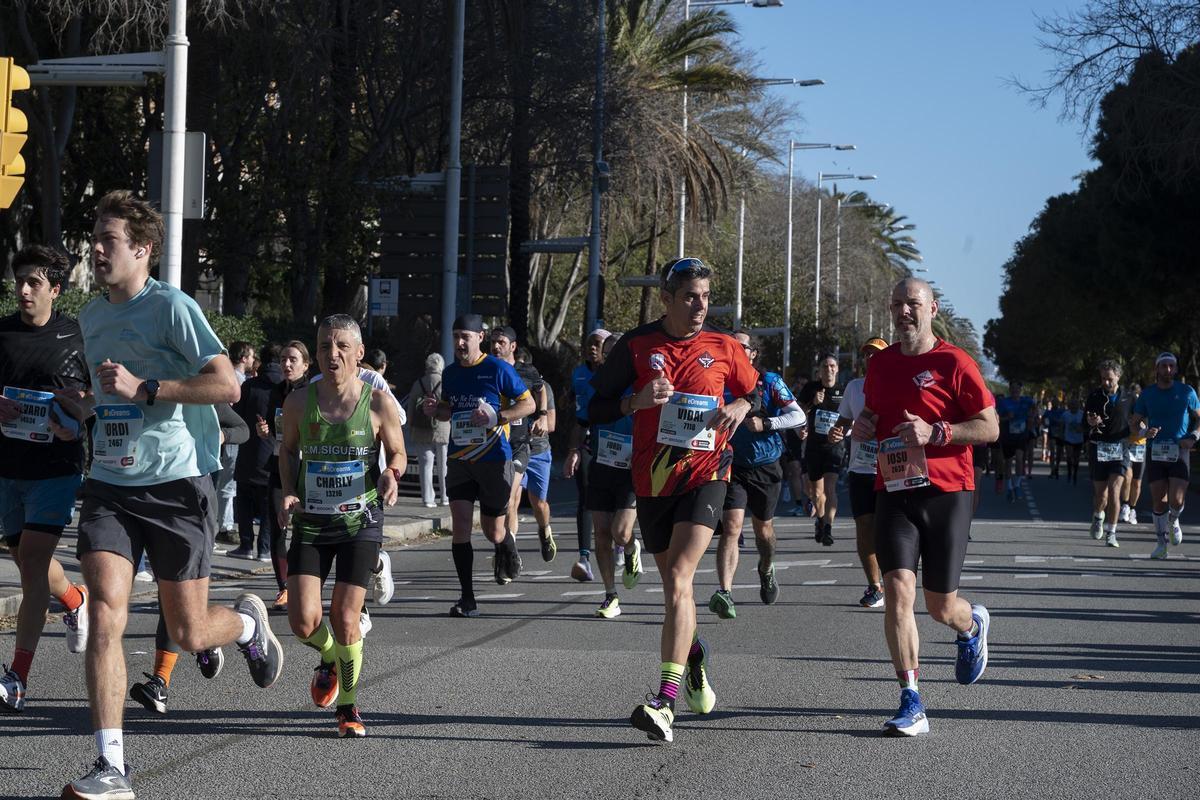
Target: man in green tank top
[(334, 493)]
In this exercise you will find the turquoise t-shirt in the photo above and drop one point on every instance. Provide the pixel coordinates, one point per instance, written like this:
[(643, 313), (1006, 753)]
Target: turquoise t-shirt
[(158, 334)]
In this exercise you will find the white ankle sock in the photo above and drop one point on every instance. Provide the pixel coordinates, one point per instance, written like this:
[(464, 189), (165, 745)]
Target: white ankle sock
[(248, 626), (110, 743)]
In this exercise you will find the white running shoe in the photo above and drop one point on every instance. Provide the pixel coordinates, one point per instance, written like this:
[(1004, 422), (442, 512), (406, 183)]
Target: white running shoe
[(12, 692), (1133, 516), (77, 625), (364, 623), (1160, 551), (1176, 533), (1111, 539), (381, 582)]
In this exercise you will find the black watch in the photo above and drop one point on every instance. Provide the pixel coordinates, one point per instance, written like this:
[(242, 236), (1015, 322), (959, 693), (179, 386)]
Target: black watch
[(151, 388)]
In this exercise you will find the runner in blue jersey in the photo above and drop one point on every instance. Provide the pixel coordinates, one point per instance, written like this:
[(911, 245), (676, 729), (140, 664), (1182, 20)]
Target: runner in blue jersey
[(481, 396), (1016, 418), (578, 463), (755, 483), (1170, 411)]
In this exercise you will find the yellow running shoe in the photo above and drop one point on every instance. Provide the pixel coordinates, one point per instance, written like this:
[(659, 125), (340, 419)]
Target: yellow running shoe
[(696, 690), (610, 608), (655, 718)]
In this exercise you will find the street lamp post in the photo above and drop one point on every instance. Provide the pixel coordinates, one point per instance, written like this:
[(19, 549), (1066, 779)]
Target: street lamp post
[(821, 178)]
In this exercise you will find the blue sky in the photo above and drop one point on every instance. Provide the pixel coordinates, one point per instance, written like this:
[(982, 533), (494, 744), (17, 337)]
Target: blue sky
[(920, 88)]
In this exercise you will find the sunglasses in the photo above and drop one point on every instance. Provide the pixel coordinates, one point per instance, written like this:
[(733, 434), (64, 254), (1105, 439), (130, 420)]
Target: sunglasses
[(691, 267)]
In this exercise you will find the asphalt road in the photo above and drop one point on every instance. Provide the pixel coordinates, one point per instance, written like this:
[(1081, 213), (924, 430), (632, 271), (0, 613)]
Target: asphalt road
[(1091, 690)]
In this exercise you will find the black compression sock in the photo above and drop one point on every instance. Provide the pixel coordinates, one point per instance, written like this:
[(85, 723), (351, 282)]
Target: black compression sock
[(464, 557)]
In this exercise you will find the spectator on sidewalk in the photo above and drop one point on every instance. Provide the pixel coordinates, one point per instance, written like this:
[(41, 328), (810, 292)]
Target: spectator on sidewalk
[(252, 469), (428, 437), (242, 355)]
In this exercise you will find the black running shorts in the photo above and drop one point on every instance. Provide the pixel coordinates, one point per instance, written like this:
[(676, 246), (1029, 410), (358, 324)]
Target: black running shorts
[(1164, 470), (488, 482), (756, 489), (1101, 471), (825, 460), (609, 489), (658, 516), (356, 560), (862, 494), (926, 527)]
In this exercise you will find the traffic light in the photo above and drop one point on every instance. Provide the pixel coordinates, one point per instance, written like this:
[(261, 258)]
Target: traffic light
[(13, 127)]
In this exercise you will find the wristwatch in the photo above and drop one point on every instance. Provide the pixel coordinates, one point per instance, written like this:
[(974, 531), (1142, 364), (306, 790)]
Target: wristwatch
[(151, 388)]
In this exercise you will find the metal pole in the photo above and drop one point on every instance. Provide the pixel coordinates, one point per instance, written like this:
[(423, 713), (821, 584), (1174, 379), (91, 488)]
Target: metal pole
[(787, 275), (469, 283), (837, 258), (453, 186), (737, 303), (687, 14), (593, 295), (174, 134), (817, 283)]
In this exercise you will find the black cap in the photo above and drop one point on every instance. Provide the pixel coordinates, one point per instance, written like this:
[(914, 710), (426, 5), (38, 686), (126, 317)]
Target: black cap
[(469, 322), (506, 331)]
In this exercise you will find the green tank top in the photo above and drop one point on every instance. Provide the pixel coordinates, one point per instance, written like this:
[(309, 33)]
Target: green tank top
[(339, 471)]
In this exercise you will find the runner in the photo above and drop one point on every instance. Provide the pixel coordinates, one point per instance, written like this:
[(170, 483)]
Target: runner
[(1106, 412), (611, 500), (1135, 454), (755, 483), (581, 386), (156, 370), (1016, 416), (40, 349), (521, 439), (1171, 413), (861, 477), (334, 498), (482, 395), (1073, 434), (536, 478), (825, 458), (679, 370), (926, 404), (1054, 419)]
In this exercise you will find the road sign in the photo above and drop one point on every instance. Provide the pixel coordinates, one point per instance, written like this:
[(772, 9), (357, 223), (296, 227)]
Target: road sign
[(385, 297)]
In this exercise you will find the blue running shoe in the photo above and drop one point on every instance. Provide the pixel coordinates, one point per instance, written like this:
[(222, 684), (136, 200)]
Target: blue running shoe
[(910, 719), (972, 653)]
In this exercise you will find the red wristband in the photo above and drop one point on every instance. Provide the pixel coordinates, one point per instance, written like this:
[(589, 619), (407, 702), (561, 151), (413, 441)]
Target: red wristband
[(942, 434)]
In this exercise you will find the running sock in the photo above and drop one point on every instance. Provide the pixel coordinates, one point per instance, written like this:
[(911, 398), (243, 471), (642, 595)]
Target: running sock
[(1173, 514), (248, 627), (1111, 528), (464, 555), (22, 659), (696, 651), (72, 598), (321, 640), (349, 661), (970, 633), (672, 676), (908, 679), (110, 743), (584, 554), (164, 663)]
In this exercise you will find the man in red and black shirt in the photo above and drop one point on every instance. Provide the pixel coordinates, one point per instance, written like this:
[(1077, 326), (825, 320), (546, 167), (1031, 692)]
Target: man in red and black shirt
[(926, 405), (679, 369)]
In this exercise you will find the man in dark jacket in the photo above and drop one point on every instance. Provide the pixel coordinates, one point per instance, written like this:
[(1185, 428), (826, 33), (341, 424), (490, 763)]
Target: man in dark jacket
[(251, 471)]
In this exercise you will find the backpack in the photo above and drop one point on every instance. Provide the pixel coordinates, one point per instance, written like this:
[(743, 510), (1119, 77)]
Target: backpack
[(418, 419)]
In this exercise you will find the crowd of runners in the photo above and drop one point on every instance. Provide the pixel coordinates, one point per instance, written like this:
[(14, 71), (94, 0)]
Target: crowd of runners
[(677, 433)]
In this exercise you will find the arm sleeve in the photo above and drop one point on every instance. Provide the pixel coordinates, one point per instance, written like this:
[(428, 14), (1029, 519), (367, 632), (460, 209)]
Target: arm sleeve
[(615, 375), (792, 417)]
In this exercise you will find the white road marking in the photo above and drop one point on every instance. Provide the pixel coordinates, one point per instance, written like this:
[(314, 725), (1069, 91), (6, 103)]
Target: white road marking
[(498, 596), (586, 593), (818, 583), (1031, 575)]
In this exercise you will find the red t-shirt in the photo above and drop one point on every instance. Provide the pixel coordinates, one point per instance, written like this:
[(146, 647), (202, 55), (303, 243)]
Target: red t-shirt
[(701, 368), (943, 384)]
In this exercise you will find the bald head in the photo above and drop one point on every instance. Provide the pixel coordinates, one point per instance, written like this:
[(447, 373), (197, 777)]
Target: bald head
[(912, 286)]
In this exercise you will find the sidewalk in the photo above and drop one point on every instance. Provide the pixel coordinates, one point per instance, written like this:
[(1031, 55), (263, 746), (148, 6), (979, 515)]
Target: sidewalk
[(406, 521)]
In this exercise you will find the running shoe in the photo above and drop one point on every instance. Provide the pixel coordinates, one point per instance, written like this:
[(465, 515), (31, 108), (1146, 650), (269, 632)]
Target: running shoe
[(1097, 529), (364, 622), (242, 552), (1176, 533), (350, 723), (265, 558), (324, 685), (697, 691), (549, 546), (809, 507), (512, 560), (910, 719), (280, 603), (1133, 516), (721, 604), (973, 652), (768, 589), (798, 511), (655, 718), (151, 693), (582, 570), (263, 654), (619, 557), (12, 692), (610, 608), (827, 535), (464, 608), (104, 782), (633, 565), (1111, 539), (1124, 514), (210, 662), (498, 569), (818, 529), (1159, 552), (382, 584), (77, 625), (872, 597)]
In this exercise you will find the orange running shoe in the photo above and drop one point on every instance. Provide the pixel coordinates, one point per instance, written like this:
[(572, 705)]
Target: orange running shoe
[(281, 600), (350, 723), (324, 685)]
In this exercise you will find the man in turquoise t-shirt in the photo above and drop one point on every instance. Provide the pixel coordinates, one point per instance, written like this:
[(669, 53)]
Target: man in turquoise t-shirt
[(1171, 413), (156, 369)]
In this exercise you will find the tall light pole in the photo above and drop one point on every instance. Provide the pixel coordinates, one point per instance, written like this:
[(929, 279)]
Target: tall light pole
[(687, 15), (599, 176), (453, 185), (174, 136), (821, 178)]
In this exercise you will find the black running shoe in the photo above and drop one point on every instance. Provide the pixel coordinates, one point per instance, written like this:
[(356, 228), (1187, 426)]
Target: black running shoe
[(826, 535), (210, 662), (152, 693), (465, 607), (263, 654), (819, 527), (768, 589)]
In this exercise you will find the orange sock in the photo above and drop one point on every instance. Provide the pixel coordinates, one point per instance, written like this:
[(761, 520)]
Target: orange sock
[(164, 663), (72, 598)]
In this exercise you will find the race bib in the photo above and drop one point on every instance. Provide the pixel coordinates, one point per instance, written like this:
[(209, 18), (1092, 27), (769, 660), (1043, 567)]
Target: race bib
[(1137, 453), (279, 425), (32, 425), (615, 449), (463, 432), (1109, 451), (1016, 426), (864, 455), (682, 421), (335, 487), (1164, 451), (901, 466), (824, 420), (115, 438)]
